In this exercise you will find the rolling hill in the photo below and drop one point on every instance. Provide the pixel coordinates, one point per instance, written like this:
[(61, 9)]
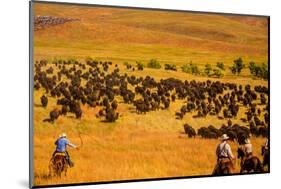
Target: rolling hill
[(129, 35)]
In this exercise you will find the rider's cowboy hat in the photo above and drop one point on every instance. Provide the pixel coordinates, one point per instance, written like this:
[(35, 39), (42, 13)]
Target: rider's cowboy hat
[(63, 135), (224, 137)]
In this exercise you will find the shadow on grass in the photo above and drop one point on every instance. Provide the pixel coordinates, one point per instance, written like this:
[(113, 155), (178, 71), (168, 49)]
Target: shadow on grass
[(38, 105)]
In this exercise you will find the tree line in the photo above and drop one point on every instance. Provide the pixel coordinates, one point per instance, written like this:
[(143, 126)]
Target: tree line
[(217, 71)]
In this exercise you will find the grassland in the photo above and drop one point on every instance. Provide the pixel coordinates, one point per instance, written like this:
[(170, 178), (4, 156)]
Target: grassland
[(150, 145), (134, 147), (129, 35)]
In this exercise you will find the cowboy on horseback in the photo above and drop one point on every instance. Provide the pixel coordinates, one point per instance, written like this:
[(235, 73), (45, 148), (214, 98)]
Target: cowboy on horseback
[(61, 144), (247, 148), (224, 155), (249, 162)]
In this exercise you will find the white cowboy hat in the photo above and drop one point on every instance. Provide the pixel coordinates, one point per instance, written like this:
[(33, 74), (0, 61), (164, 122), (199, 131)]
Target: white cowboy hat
[(247, 141), (224, 137), (63, 135)]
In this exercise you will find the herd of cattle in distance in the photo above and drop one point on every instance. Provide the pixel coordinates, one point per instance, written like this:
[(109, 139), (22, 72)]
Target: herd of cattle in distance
[(41, 22), (98, 84)]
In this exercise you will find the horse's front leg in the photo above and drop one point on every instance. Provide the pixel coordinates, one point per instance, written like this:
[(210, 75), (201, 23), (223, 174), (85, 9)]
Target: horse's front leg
[(242, 166)]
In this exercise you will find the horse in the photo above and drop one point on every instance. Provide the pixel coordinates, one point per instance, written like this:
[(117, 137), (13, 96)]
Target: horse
[(58, 164), (224, 167), (265, 154), (249, 164)]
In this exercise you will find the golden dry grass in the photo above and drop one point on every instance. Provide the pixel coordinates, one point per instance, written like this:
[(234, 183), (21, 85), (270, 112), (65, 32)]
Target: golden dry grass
[(133, 155), (150, 145)]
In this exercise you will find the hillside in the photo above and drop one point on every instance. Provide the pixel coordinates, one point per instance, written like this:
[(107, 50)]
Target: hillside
[(130, 35)]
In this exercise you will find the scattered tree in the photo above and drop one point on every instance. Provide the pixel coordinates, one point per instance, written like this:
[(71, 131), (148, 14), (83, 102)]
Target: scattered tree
[(258, 71), (208, 69), (220, 65), (237, 66)]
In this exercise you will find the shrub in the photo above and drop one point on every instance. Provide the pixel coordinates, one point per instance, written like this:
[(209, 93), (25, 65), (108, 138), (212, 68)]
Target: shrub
[(237, 66), (264, 68), (190, 68), (254, 69), (217, 73), (258, 71), (153, 63), (220, 65), (208, 69), (140, 65), (186, 68), (194, 69), (170, 67)]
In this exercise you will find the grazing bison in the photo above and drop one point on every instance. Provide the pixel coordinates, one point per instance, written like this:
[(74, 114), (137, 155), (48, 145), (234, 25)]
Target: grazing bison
[(44, 101), (54, 114), (100, 85), (189, 130), (111, 115)]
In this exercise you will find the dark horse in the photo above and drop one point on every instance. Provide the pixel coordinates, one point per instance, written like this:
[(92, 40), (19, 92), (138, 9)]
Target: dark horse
[(265, 154), (249, 164), (58, 165), (224, 167)]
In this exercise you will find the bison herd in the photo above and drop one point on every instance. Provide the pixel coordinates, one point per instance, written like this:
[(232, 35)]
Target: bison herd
[(41, 22), (101, 85), (234, 132)]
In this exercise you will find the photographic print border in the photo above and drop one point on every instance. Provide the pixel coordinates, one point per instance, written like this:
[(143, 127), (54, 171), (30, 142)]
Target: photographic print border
[(31, 93)]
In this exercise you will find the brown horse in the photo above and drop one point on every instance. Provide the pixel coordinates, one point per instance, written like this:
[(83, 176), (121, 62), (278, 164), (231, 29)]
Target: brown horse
[(58, 165), (265, 154), (249, 164), (224, 167)]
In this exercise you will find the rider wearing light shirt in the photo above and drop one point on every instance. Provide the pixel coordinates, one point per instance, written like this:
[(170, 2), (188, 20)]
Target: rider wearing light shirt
[(224, 149), (223, 153), (248, 148)]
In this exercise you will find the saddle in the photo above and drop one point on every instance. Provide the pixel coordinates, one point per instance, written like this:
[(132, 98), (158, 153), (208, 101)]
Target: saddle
[(224, 161), (249, 156), (59, 154)]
